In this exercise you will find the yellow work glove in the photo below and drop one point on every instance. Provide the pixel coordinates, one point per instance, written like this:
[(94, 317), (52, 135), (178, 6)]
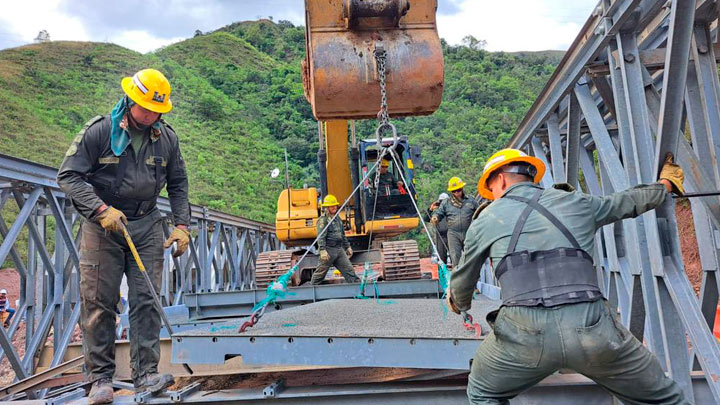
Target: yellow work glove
[(450, 302), (182, 237), (112, 220), (434, 220), (324, 255), (674, 174), (349, 252)]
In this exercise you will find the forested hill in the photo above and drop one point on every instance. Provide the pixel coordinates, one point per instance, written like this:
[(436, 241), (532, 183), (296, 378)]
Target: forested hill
[(239, 101)]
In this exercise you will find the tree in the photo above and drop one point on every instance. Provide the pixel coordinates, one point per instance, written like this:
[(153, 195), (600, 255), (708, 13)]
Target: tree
[(197, 33), (474, 43)]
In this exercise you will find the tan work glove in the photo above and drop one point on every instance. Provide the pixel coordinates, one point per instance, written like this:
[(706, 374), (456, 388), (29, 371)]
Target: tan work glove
[(674, 174), (182, 237), (434, 220), (450, 302), (324, 255), (112, 220), (349, 252)]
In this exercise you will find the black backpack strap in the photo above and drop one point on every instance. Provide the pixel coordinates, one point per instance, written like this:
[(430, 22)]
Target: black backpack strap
[(533, 204)]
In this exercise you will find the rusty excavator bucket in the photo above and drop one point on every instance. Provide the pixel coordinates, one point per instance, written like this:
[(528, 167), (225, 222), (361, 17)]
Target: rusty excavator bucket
[(340, 72)]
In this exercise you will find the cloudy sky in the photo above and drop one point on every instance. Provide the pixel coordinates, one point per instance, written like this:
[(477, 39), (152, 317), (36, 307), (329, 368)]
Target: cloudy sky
[(145, 25)]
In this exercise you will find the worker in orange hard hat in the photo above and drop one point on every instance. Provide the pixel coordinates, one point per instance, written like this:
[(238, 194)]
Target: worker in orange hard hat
[(333, 246), (553, 315), (113, 172), (459, 210)]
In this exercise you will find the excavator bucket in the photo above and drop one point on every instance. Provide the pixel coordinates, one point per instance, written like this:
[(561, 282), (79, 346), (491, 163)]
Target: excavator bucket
[(340, 74)]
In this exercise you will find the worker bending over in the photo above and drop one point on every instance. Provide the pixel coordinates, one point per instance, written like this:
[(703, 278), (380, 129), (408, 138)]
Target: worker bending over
[(553, 314), (113, 173), (458, 210), (333, 245)]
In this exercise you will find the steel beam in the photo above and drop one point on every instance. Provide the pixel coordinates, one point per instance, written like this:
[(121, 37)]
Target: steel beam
[(240, 303)]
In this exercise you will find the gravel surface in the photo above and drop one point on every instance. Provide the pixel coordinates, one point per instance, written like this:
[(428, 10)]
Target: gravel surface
[(401, 318)]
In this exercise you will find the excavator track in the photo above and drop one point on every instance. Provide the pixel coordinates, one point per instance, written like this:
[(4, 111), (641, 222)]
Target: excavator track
[(272, 264), (400, 260)]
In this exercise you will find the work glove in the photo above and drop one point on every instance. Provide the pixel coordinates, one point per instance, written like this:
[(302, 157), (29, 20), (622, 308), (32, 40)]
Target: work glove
[(349, 252), (112, 220), (182, 237), (674, 174), (450, 302), (434, 220), (324, 255)]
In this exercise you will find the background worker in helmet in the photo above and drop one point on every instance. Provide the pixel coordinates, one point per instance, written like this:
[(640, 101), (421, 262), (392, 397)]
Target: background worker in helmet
[(113, 172), (386, 181), (553, 314), (458, 210), (6, 313), (333, 246), (440, 237)]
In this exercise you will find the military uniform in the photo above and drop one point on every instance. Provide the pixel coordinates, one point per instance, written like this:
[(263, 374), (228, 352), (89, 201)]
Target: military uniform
[(335, 243), (439, 234), (561, 322), (386, 183), (91, 175), (459, 215)]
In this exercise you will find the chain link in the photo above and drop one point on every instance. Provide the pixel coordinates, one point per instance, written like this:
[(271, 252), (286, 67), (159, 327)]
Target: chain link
[(381, 60)]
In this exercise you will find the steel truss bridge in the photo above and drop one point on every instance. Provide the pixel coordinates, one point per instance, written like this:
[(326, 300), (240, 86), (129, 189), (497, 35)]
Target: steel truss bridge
[(42, 242), (639, 81)]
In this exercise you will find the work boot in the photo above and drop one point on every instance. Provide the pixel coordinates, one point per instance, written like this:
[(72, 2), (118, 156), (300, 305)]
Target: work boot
[(101, 392), (155, 383)]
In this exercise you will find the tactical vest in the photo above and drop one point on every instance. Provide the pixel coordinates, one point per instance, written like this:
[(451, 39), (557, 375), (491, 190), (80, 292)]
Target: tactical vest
[(548, 277)]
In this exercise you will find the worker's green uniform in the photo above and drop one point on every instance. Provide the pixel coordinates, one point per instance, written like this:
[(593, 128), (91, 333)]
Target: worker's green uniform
[(91, 175), (528, 342), (386, 183), (459, 215), (335, 243)]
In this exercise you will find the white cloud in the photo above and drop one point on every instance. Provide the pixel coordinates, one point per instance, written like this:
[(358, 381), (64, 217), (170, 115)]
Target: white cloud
[(508, 25), (516, 25), (22, 20), (141, 41)]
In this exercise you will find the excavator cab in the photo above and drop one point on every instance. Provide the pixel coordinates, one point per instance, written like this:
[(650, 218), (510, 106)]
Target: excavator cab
[(391, 199), (340, 71)]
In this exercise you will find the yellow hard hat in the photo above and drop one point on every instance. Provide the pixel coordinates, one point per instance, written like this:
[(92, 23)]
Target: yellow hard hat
[(455, 183), (150, 89), (384, 163), (330, 201), (503, 158)]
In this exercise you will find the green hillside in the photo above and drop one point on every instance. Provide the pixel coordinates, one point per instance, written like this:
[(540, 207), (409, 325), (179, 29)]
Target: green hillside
[(239, 101)]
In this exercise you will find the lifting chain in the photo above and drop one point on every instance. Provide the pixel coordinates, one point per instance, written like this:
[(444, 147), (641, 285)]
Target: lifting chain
[(383, 115)]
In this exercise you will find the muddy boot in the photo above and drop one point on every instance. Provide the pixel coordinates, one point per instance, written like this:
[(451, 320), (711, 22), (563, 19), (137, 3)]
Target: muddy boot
[(155, 383), (101, 392)]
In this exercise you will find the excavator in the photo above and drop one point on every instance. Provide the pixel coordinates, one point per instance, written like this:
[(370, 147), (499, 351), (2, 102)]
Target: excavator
[(362, 56)]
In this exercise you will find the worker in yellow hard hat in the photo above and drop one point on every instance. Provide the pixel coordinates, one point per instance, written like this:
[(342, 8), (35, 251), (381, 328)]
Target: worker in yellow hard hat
[(459, 210), (333, 246), (113, 173), (541, 244), (386, 182)]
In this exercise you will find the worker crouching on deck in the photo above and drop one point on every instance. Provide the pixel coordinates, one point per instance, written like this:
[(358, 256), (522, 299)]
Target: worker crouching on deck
[(553, 314), (333, 245), (113, 173)]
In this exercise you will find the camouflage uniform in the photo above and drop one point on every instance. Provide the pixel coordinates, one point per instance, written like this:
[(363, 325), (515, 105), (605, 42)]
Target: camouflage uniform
[(335, 243), (529, 343), (459, 215), (91, 175)]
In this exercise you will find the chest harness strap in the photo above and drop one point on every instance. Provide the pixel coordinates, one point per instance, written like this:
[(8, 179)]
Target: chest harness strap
[(547, 277)]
